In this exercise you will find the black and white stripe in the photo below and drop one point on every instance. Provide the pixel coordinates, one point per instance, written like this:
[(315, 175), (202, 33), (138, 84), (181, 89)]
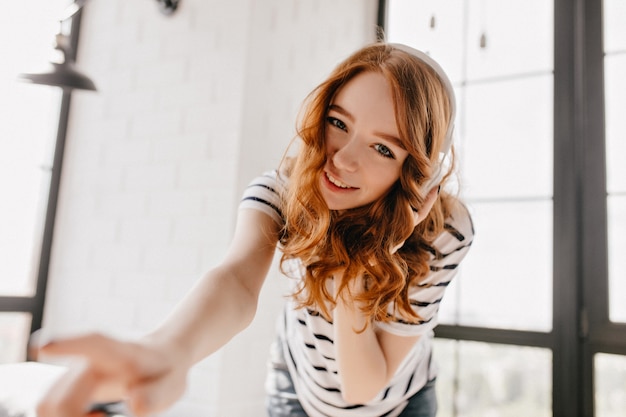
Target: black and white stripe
[(308, 337), (264, 193)]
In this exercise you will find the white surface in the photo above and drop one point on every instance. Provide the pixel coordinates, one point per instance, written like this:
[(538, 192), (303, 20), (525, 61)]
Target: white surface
[(23, 384)]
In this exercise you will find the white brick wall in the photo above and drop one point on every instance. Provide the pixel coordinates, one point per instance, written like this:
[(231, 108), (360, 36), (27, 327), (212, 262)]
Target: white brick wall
[(190, 108)]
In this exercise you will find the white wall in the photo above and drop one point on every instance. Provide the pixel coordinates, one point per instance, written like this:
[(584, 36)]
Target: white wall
[(190, 108)]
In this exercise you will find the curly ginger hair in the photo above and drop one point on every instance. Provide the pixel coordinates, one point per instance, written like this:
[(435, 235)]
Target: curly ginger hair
[(358, 242)]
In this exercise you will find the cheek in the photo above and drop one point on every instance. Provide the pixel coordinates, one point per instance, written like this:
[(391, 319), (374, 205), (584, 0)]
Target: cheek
[(383, 179), (331, 141)]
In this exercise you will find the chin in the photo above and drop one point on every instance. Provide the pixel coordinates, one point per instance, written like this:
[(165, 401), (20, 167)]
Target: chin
[(342, 207), (336, 207)]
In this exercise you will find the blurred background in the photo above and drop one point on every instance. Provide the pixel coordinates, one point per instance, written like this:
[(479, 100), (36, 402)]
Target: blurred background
[(115, 201)]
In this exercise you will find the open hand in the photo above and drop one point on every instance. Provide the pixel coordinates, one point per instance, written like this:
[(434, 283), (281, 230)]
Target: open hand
[(105, 370), (420, 214)]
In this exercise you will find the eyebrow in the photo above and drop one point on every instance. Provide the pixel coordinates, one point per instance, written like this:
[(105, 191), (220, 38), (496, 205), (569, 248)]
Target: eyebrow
[(346, 113)]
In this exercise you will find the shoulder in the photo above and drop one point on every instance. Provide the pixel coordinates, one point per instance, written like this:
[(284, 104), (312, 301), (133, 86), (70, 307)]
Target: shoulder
[(265, 193), (460, 221), (458, 230), (269, 180)]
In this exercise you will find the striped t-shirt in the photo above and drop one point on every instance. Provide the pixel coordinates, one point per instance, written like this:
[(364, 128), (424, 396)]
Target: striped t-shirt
[(308, 337)]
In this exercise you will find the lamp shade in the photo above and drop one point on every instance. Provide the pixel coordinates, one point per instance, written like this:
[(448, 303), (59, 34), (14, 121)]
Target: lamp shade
[(62, 75)]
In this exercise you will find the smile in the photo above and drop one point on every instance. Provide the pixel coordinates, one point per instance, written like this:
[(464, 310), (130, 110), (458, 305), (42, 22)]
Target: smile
[(336, 182)]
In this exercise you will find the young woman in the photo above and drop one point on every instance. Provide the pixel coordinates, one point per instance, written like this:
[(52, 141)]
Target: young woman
[(369, 237)]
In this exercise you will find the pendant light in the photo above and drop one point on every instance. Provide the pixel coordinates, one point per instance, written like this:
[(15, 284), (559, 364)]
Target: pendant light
[(63, 73)]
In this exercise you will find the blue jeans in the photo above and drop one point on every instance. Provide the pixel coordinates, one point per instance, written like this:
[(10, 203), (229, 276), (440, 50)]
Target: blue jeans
[(423, 403), (282, 400)]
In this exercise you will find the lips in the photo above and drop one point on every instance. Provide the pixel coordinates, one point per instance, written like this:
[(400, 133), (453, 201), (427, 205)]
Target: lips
[(337, 183)]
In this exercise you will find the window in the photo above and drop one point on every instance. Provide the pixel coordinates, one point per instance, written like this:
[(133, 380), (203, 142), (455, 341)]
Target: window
[(534, 324), (609, 364), (615, 103), (28, 130)]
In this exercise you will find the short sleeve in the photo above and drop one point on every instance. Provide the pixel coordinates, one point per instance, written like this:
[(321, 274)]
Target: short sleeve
[(448, 250), (264, 194)]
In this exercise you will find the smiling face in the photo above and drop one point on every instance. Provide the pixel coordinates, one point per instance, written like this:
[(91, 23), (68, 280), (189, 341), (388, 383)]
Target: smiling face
[(364, 152)]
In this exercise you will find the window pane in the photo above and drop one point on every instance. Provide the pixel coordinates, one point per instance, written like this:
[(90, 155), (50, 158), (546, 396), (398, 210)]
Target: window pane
[(506, 281), (517, 37), (505, 143), (481, 379), (610, 385), (614, 29), (28, 123), (24, 182), (432, 26), (507, 140), (617, 260), (615, 97), (615, 103), (14, 332)]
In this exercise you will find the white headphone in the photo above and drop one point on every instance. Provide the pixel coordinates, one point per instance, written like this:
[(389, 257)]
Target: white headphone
[(439, 169)]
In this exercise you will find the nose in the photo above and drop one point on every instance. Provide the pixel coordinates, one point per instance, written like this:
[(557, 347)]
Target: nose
[(346, 157)]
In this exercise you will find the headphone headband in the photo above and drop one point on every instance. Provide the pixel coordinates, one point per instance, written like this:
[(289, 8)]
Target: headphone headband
[(447, 144), (438, 170)]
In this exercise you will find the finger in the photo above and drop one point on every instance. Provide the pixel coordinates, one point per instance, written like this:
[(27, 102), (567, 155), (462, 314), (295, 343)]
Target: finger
[(397, 247), (431, 197), (416, 216), (119, 365), (70, 396), (106, 354), (422, 213), (92, 344)]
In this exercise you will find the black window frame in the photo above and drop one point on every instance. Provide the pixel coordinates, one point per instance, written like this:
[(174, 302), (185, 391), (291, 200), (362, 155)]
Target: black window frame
[(581, 325), (34, 305)]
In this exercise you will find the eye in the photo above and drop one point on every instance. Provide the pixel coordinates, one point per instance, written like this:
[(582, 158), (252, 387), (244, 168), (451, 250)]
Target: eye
[(384, 151), (337, 123)]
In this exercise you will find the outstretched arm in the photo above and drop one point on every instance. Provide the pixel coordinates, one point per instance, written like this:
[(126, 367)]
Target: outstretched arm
[(224, 301), (150, 373)]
